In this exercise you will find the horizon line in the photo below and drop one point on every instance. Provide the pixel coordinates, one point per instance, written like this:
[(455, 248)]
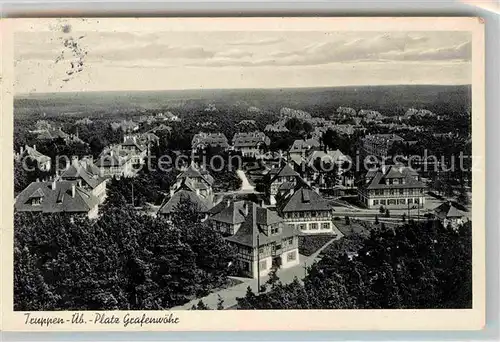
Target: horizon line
[(263, 88)]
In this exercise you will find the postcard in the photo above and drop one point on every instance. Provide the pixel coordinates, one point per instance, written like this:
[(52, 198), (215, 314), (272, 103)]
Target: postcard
[(230, 174)]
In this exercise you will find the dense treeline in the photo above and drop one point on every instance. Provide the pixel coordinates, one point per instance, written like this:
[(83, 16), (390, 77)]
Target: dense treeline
[(414, 266), (122, 261)]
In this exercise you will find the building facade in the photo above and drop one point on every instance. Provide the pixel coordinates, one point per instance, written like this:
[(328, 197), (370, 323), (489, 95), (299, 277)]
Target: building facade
[(308, 212), (260, 236), (392, 186)]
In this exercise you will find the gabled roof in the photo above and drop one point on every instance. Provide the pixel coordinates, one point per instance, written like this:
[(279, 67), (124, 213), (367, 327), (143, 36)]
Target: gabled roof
[(87, 172), (171, 205), (378, 178), (254, 224), (286, 171), (250, 139), (230, 212), (32, 153), (304, 145), (305, 199), (132, 142), (447, 210), (329, 156), (59, 199), (213, 139), (200, 173)]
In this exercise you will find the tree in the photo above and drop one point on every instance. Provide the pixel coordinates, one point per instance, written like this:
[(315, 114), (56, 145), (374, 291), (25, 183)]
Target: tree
[(200, 306), (463, 197), (406, 267), (376, 219), (403, 217), (347, 221), (381, 209), (220, 302), (387, 213)]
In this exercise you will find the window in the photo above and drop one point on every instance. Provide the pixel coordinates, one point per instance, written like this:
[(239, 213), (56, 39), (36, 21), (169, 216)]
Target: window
[(301, 214), (410, 191), (396, 181), (261, 250), (313, 214), (416, 201), (314, 226), (263, 265), (375, 202), (302, 226), (391, 201), (402, 201), (391, 192), (291, 256), (36, 201), (275, 229), (410, 201), (401, 191), (325, 225), (382, 202)]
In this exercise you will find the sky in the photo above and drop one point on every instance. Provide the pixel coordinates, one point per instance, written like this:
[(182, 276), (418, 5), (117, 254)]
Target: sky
[(120, 60)]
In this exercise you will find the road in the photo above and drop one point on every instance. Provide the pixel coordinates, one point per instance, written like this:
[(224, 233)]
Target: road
[(286, 276)]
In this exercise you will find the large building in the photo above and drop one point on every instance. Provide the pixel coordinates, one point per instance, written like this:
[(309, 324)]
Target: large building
[(58, 196), (203, 140), (307, 211), (379, 145), (250, 144), (261, 237), (193, 184), (392, 186)]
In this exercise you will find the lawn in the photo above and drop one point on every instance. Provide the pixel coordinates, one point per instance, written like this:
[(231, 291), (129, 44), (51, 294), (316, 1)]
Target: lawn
[(309, 244)]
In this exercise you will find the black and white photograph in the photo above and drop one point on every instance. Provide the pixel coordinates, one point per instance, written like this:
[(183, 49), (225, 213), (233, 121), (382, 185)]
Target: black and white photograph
[(180, 170)]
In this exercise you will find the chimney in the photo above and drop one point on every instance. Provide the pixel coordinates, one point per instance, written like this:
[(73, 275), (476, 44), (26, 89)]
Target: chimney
[(54, 184), (73, 190), (34, 147), (228, 203), (21, 151), (245, 208)]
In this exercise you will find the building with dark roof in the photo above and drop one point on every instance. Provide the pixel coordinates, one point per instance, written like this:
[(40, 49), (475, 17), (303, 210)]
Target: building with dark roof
[(301, 147), (87, 175), (261, 237), (193, 183), (281, 180), (57, 196), (307, 211), (450, 215), (392, 186), (250, 144)]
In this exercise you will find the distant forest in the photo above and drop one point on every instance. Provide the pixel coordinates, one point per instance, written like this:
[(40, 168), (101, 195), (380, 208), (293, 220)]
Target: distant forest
[(389, 100)]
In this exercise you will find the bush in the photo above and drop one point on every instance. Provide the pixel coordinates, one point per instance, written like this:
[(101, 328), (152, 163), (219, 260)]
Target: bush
[(336, 218), (309, 244)]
